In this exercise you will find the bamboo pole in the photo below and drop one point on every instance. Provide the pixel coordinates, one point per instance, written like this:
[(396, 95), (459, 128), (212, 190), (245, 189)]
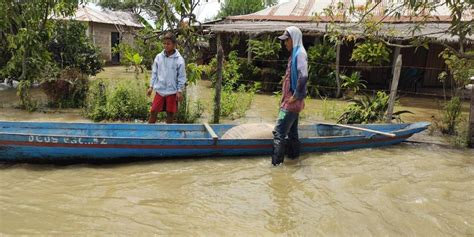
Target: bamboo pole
[(338, 79), (218, 86), (393, 88)]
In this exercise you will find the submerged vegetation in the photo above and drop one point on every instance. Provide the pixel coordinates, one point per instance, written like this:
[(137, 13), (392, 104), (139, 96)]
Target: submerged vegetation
[(368, 109)]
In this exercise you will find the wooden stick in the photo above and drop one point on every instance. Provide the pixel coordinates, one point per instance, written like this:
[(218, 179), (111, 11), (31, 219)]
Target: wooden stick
[(361, 129), (211, 132)]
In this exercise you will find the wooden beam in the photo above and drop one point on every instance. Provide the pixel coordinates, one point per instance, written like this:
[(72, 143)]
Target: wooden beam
[(218, 85), (396, 52), (338, 79), (471, 119), (361, 129), (393, 88), (211, 132)]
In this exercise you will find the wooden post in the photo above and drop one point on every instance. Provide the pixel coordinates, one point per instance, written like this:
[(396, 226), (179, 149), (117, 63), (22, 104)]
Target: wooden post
[(396, 52), (338, 80), (471, 119), (249, 50), (393, 88), (218, 86)]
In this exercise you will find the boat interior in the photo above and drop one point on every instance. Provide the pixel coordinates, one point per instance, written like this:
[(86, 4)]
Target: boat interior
[(172, 131)]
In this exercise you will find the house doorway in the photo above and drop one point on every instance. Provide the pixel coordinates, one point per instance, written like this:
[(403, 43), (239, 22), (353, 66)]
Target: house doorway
[(115, 40)]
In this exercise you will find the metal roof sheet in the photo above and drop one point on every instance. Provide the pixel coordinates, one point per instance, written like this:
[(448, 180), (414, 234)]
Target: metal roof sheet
[(88, 14), (391, 30), (305, 10)]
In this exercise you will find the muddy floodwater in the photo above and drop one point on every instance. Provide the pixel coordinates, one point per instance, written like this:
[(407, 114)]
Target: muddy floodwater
[(403, 190), (411, 189)]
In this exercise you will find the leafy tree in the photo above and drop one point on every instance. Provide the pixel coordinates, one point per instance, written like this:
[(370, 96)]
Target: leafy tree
[(70, 47), (26, 30), (366, 22), (242, 7)]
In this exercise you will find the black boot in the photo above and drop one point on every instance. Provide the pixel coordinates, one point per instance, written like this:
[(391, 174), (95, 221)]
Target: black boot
[(293, 149), (278, 152)]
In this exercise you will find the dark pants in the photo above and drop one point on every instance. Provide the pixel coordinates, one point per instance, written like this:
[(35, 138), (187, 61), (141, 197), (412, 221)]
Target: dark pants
[(285, 137)]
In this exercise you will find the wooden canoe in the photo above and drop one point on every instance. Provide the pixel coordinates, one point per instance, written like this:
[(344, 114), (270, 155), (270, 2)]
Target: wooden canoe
[(83, 142)]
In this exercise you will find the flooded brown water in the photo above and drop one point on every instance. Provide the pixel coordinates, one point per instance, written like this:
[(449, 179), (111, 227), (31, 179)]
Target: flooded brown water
[(403, 190)]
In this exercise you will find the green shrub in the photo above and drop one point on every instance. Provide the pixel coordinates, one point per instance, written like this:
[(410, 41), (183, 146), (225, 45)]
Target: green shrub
[(321, 74), (368, 110), (331, 110), (127, 101), (96, 106), (234, 104), (68, 90), (230, 71), (265, 49), (353, 82), (371, 52), (451, 115), (123, 101)]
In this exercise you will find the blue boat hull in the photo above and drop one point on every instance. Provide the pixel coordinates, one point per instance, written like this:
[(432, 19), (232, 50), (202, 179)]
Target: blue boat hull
[(82, 142)]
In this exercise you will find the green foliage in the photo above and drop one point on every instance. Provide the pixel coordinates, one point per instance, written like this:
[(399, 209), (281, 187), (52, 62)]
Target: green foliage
[(71, 48), (187, 113), (330, 109), (461, 138), (242, 7), (143, 53), (68, 90), (371, 52), (26, 30), (234, 104), (320, 57), (459, 69), (230, 71), (353, 82), (123, 101), (23, 90), (450, 116), (265, 49), (194, 73), (368, 110)]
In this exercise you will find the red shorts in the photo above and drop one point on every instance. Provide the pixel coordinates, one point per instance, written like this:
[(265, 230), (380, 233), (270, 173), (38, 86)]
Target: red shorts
[(167, 103)]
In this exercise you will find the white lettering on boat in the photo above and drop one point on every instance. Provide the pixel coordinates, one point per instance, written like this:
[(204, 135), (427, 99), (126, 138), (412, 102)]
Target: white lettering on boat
[(66, 140)]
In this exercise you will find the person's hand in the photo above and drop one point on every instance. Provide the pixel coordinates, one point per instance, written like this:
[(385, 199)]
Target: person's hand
[(179, 96), (149, 91), (292, 100)]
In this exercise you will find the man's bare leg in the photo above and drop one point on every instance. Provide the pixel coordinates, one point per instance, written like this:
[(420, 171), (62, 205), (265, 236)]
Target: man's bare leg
[(170, 117), (153, 117)]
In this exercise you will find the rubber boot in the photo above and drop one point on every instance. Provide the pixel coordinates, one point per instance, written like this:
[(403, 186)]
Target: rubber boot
[(293, 149), (278, 152)]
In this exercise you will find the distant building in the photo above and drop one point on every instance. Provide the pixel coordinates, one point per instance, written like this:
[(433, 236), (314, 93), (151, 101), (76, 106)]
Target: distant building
[(421, 66), (108, 28)]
